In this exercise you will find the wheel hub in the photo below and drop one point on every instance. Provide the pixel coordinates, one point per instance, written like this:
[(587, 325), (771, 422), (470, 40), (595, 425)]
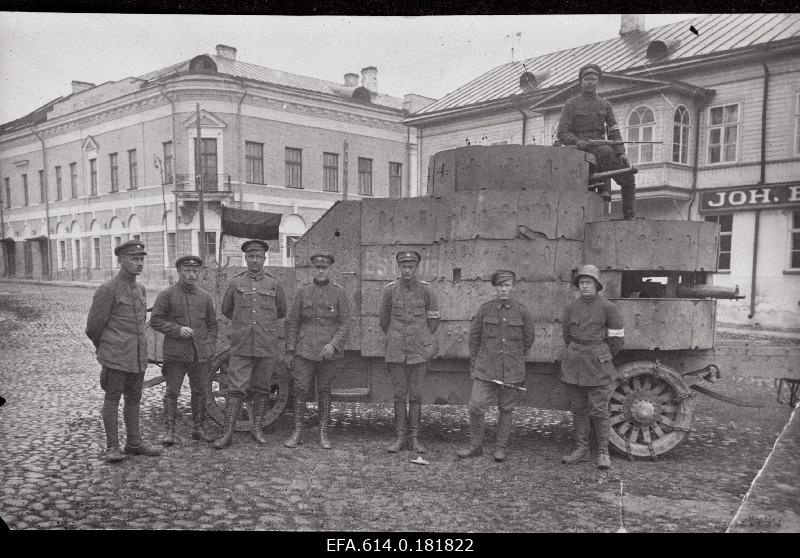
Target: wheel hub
[(643, 412), (643, 407)]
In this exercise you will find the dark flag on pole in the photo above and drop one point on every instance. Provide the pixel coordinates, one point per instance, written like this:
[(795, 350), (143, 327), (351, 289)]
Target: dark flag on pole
[(247, 223)]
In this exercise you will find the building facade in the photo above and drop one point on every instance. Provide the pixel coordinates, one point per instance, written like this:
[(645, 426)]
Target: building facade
[(116, 161), (725, 105)]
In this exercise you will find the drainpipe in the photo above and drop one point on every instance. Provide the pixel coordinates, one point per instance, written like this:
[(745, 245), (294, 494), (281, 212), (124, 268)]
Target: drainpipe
[(408, 163), (174, 183), (419, 163), (524, 125), (697, 112), (46, 204), (239, 144), (761, 180)]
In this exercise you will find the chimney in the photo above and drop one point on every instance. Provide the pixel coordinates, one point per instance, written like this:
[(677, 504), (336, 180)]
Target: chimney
[(79, 86), (226, 51), (351, 80), (631, 23), (369, 78)]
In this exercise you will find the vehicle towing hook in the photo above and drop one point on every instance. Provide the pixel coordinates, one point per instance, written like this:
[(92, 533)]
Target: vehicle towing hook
[(711, 374)]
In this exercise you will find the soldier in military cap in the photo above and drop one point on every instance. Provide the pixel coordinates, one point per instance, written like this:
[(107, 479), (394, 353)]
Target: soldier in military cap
[(591, 117), (501, 333), (593, 334), (185, 314), (254, 301), (115, 325), (316, 331), (409, 316)]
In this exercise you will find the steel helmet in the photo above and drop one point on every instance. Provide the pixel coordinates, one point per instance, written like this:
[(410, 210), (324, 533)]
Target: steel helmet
[(588, 270)]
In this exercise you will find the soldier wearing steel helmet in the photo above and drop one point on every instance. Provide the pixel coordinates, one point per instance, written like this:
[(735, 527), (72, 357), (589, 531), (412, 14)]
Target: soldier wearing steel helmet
[(115, 325), (593, 332), (591, 117), (254, 301), (185, 314), (409, 316), (316, 331)]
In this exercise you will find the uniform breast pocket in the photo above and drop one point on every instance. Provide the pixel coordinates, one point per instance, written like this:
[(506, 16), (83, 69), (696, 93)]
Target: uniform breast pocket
[(266, 298), (581, 117), (124, 301), (491, 326), (515, 329), (307, 309)]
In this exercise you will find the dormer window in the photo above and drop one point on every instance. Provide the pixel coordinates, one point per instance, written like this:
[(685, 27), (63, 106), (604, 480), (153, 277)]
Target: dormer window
[(202, 64)]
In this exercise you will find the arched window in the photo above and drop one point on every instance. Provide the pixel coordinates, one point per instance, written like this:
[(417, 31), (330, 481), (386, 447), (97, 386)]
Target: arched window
[(680, 136), (641, 124)]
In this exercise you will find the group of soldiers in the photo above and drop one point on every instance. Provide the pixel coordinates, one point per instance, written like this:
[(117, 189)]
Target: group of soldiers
[(316, 328)]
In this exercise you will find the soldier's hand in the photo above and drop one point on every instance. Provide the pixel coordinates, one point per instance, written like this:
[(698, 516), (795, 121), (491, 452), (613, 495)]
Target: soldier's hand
[(288, 360), (624, 160), (186, 332), (327, 352), (583, 145)]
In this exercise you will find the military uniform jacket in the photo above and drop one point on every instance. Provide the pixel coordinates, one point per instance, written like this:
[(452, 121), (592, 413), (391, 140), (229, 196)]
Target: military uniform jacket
[(320, 315), (181, 306), (254, 302), (592, 322), (588, 117), (116, 325), (501, 333), (408, 317)]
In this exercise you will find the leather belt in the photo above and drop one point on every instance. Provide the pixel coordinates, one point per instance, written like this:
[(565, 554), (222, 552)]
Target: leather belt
[(588, 341)]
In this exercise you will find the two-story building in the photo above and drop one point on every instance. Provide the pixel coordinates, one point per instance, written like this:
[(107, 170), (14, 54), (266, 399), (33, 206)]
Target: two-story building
[(721, 93), (116, 161)]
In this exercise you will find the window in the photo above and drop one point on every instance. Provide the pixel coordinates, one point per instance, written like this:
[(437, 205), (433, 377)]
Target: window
[(62, 254), (254, 155), (92, 177), (725, 232), (794, 255), (723, 133), (330, 172), (25, 188), (395, 180), (364, 176), (8, 192), (290, 247), (136, 236), (680, 136), (210, 246), (132, 178), (167, 170), (42, 188), (171, 248), (208, 160), (96, 253), (114, 164), (76, 254), (59, 191), (73, 179), (294, 168), (115, 241), (640, 128)]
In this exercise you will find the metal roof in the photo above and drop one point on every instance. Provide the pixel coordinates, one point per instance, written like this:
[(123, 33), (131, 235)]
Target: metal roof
[(717, 33)]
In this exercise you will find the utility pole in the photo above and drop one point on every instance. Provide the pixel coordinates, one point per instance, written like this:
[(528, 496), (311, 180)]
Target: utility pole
[(344, 171), (198, 170)]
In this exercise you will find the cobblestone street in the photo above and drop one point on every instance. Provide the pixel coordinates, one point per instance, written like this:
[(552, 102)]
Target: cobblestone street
[(52, 475)]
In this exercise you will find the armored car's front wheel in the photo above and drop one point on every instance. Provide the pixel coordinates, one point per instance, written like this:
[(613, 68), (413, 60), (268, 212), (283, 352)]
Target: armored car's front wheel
[(218, 389), (651, 410)]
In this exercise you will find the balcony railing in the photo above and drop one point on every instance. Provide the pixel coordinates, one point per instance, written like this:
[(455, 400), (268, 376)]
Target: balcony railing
[(210, 183)]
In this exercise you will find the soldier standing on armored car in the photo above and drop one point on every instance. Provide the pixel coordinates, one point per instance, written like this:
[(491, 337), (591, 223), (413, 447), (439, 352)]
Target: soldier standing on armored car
[(501, 333), (185, 314), (585, 118), (115, 325), (593, 334), (254, 301), (409, 316), (316, 331)]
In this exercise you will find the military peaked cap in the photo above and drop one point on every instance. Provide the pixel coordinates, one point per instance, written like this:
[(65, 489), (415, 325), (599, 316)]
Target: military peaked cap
[(502, 275), (189, 260), (589, 68), (322, 259), (408, 256), (130, 248), (248, 245)]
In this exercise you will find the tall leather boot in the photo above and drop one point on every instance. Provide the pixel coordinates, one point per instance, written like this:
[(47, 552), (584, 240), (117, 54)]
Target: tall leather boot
[(170, 412), (400, 427), (299, 414), (233, 405), (134, 444), (259, 408), (414, 418), (628, 187), (602, 427), (581, 451), (504, 424), (199, 431), (476, 426), (110, 415), (324, 417)]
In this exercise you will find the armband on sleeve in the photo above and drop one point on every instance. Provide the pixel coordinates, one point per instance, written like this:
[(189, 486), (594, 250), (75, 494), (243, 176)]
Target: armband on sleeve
[(615, 333), (433, 314)]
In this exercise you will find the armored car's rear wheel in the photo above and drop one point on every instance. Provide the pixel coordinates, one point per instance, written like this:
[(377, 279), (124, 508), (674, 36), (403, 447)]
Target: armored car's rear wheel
[(218, 389), (651, 410)]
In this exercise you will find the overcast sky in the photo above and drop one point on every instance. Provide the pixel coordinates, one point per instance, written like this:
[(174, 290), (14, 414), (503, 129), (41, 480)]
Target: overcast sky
[(41, 53)]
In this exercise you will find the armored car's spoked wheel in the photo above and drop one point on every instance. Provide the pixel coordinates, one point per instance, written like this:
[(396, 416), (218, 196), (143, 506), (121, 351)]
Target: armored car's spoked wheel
[(218, 389), (651, 410)]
